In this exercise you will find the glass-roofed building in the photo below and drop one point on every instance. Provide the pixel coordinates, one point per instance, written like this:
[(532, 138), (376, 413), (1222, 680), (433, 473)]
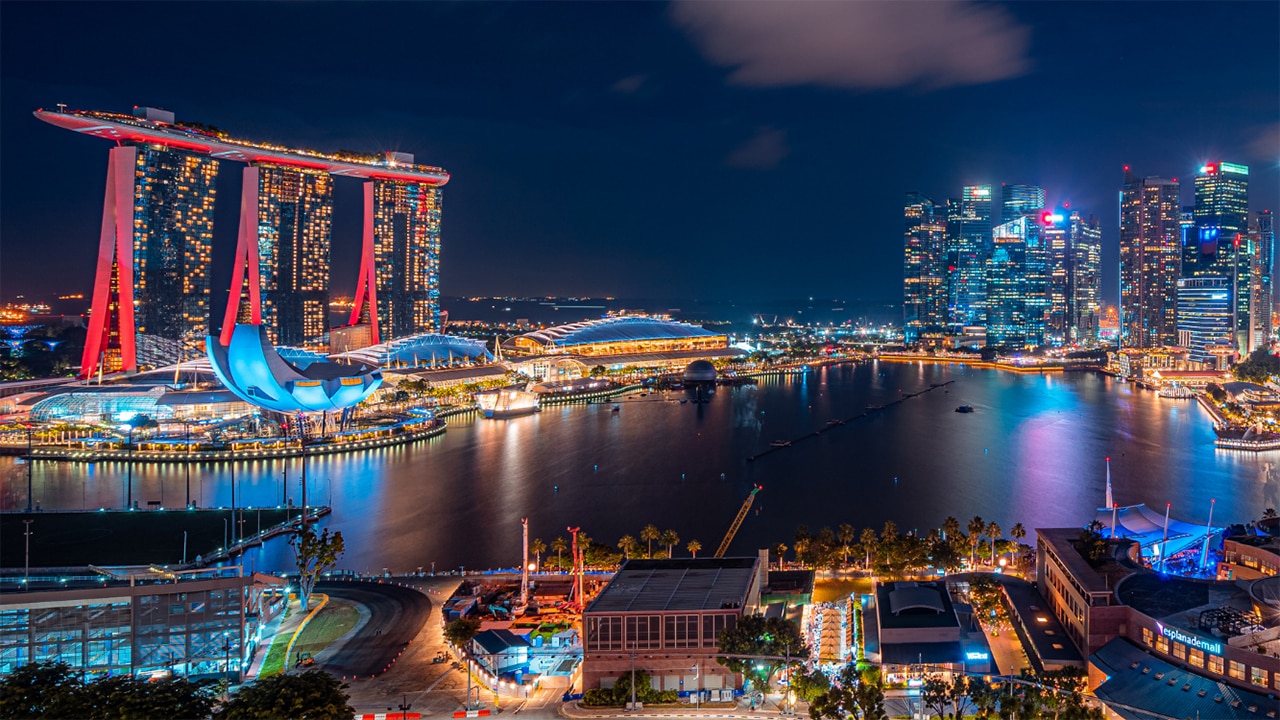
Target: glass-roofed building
[(625, 335)]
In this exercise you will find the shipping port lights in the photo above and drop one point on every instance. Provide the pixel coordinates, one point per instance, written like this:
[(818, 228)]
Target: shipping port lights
[(111, 341)]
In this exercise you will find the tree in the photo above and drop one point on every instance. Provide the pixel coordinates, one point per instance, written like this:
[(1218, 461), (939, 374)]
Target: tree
[(936, 695), (649, 533), (41, 690), (122, 696), (670, 539), (1268, 514), (855, 695), (844, 534), (1260, 367), (693, 547), (314, 555), (1017, 532), (598, 371), (773, 638), (1092, 546), (976, 528), (870, 542), (781, 550), (627, 544), (538, 547), (810, 686), (459, 632), (994, 532), (312, 695), (559, 545)]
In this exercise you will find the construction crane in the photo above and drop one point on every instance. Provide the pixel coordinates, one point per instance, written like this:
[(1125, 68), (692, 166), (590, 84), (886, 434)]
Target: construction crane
[(737, 522)]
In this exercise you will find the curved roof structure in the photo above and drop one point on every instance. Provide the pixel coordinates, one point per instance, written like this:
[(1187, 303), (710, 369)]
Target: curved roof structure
[(418, 350), (902, 599), (252, 369), (616, 329), (1146, 526), (114, 126)]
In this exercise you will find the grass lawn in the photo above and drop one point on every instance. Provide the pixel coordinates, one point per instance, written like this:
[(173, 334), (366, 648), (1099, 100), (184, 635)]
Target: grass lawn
[(331, 623), (273, 663)]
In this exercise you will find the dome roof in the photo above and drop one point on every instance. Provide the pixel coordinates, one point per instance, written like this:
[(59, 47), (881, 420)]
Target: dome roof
[(616, 329), (700, 371)]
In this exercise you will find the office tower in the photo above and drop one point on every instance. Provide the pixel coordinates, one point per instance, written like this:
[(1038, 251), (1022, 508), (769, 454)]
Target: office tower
[(968, 246), (1019, 200), (1150, 258), (400, 265), (154, 253), (924, 300), (1059, 256), (1017, 285), (1204, 319), (1262, 243), (1190, 244), (1221, 215), (1085, 242)]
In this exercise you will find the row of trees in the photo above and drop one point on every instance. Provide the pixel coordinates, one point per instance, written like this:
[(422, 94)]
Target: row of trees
[(1055, 694), (602, 556), (891, 552), (55, 690)]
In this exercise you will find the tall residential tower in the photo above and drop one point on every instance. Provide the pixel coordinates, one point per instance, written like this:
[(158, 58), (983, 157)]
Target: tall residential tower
[(1150, 260), (924, 293)]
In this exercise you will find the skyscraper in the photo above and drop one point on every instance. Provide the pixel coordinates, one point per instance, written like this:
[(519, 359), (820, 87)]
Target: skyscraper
[(924, 300), (1057, 242), (1221, 215), (1204, 318), (1085, 279), (1262, 240), (968, 246), (1017, 285), (1150, 259), (295, 215), (400, 265), (1018, 200)]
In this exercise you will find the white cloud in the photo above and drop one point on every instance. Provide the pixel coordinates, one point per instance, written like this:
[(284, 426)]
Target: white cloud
[(763, 151), (859, 44)]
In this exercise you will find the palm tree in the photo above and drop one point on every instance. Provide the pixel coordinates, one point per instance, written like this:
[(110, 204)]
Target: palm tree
[(693, 547), (670, 539), (976, 528), (650, 533), (781, 549), (627, 544), (870, 541), (844, 534), (950, 528), (994, 532), (559, 545), (538, 547), (1017, 532)]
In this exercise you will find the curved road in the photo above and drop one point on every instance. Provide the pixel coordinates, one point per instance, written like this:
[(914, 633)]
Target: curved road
[(396, 615)]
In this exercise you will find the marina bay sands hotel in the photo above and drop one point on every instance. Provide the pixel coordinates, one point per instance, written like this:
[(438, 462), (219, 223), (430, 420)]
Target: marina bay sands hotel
[(152, 283)]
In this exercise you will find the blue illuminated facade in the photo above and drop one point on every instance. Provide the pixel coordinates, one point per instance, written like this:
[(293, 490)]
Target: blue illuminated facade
[(252, 369)]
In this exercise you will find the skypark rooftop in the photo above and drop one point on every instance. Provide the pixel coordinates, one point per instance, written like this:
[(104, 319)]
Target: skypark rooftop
[(217, 144)]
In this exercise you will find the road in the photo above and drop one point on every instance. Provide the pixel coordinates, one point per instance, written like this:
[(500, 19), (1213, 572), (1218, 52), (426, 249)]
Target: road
[(396, 616)]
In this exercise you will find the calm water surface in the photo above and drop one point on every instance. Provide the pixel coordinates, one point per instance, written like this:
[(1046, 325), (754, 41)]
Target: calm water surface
[(1033, 452)]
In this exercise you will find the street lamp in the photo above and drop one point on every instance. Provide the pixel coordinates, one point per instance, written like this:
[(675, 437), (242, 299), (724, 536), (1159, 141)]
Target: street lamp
[(226, 663), (30, 492), (129, 498), (26, 569)]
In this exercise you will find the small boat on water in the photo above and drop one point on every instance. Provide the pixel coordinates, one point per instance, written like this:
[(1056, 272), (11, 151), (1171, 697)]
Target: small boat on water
[(616, 407), (965, 409), (781, 443), (835, 422)]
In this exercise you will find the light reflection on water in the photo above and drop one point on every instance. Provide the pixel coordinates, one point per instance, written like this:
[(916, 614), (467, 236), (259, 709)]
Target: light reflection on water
[(1032, 452)]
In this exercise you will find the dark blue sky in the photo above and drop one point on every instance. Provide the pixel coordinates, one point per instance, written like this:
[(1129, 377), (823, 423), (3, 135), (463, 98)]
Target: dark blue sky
[(757, 150)]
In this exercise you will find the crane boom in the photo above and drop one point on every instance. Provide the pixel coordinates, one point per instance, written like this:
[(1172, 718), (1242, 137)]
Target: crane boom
[(737, 522)]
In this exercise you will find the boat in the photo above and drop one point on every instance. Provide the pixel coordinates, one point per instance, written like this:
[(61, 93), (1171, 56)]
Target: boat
[(616, 407), (507, 403), (781, 443), (684, 400), (965, 409), (835, 422)]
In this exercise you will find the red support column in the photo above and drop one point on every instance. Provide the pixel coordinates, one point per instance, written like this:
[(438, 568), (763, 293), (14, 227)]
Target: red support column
[(246, 261), (367, 283), (115, 248)]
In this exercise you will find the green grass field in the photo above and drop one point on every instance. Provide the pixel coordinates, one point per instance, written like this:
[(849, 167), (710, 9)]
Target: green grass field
[(335, 620)]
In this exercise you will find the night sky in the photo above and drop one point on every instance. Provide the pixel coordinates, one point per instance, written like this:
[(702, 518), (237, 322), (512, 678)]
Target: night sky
[(690, 150)]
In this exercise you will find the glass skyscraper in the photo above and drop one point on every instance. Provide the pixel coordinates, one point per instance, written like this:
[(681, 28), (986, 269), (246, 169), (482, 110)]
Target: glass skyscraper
[(1150, 261), (1017, 285), (924, 294), (1204, 318), (1085, 294), (1017, 200), (1262, 242), (968, 247), (1221, 216)]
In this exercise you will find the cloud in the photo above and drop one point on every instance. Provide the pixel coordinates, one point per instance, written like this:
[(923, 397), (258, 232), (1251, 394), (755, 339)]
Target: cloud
[(859, 44), (630, 84), (763, 151), (1265, 145)]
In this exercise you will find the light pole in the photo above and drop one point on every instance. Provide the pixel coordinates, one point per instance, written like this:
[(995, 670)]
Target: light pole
[(633, 682), (697, 676), (405, 706), (129, 498), (30, 492), (226, 664), (187, 426), (26, 565)]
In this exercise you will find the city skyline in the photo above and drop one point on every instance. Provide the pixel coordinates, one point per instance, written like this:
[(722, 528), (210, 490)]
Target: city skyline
[(572, 163)]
